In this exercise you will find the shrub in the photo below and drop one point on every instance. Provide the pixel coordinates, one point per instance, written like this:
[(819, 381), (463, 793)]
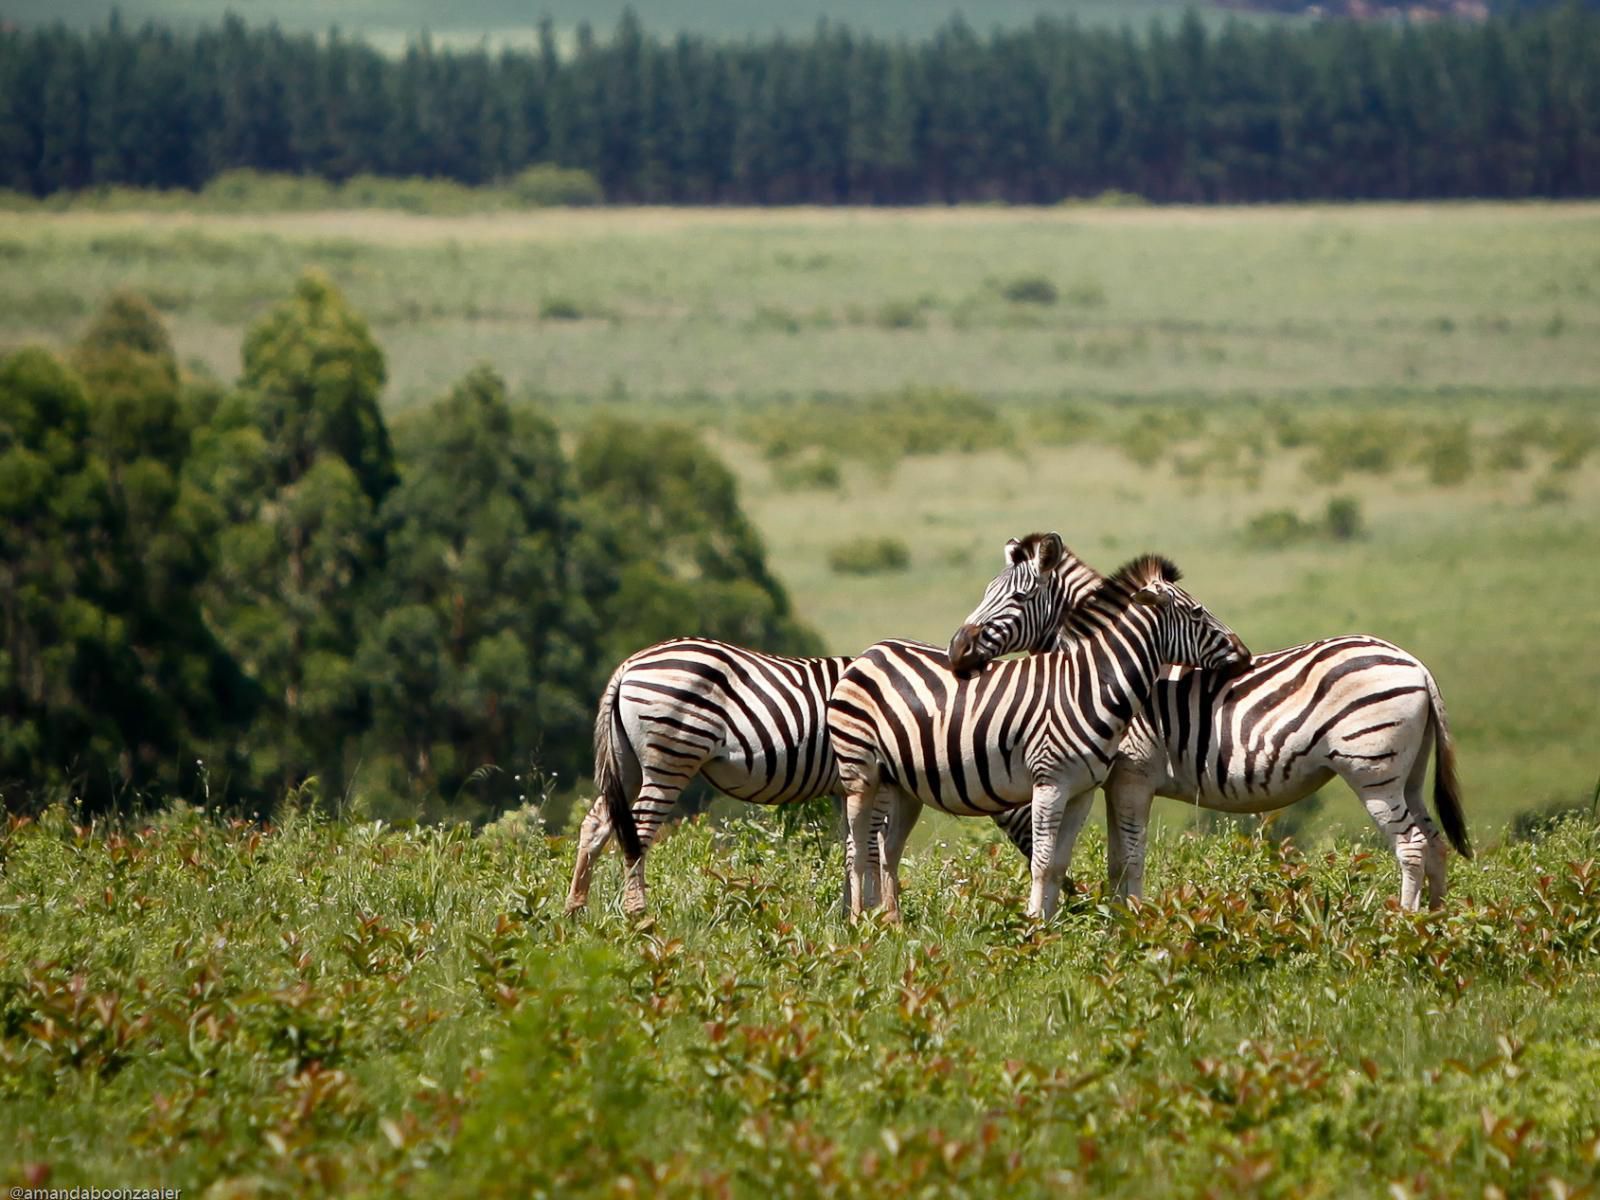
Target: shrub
[(1447, 453), (900, 314), (1063, 425), (821, 473), (244, 190), (561, 308), (1572, 442), (869, 556), (1277, 528), (1155, 431), (549, 186), (1372, 444), (1029, 289), (1342, 519), (1549, 490), (912, 421), (772, 319)]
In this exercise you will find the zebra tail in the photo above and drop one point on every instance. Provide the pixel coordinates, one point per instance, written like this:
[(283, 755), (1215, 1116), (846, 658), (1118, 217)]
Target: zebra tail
[(1446, 787), (608, 771)]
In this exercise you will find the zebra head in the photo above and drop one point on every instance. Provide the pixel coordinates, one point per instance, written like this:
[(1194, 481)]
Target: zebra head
[(1022, 607), (1186, 631)]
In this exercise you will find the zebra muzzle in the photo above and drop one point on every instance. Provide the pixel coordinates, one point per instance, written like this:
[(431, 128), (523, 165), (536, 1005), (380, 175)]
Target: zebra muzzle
[(966, 655)]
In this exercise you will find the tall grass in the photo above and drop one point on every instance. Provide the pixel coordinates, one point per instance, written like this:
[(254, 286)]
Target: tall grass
[(328, 1009)]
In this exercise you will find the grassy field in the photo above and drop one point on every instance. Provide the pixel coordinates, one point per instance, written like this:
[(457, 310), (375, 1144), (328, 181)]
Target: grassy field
[(729, 308), (1378, 419), (1154, 379), (317, 1009), (510, 22)]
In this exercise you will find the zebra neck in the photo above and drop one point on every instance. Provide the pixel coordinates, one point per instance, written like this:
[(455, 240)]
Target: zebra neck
[(1122, 655)]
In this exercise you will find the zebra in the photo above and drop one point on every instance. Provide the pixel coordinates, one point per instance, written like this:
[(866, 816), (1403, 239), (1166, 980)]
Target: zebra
[(1041, 730), (1259, 739), (754, 724)]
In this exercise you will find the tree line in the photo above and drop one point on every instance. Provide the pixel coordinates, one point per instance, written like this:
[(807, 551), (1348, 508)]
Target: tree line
[(222, 592), (1509, 107)]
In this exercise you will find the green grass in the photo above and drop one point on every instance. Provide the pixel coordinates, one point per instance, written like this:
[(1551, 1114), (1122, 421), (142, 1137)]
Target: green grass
[(1199, 368), (325, 1009), (737, 307)]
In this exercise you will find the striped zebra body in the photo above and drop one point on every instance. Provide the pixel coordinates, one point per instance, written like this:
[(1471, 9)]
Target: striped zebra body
[(1354, 707), (753, 724), (1042, 731)]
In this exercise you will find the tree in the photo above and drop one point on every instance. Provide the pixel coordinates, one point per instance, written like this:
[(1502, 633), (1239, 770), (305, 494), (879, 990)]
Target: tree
[(317, 374), (294, 570), (160, 529), (482, 653), (665, 512)]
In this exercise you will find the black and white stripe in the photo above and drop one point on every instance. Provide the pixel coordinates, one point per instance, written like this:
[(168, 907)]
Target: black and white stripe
[(1258, 740), (1355, 707), (753, 724), (1041, 730)]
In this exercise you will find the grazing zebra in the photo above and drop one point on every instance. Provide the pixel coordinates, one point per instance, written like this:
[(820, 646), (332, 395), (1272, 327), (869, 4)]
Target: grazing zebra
[(755, 724), (1262, 738), (1041, 730)]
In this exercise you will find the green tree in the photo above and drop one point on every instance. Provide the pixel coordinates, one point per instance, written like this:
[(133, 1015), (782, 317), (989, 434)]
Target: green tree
[(317, 374), (665, 512), (482, 653), (295, 566), (159, 530)]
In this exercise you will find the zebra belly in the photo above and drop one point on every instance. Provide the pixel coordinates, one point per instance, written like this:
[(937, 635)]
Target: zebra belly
[(1010, 786), (1233, 794), (754, 779)]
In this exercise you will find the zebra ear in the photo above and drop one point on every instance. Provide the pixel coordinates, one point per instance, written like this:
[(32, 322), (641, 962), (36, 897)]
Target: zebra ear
[(1012, 557), (1152, 595), (1051, 552)]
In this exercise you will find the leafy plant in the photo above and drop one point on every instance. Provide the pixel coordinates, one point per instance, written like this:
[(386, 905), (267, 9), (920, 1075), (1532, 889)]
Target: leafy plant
[(1030, 289), (869, 556)]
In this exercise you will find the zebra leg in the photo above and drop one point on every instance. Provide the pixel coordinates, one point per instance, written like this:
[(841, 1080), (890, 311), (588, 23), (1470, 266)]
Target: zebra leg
[(592, 838), (1127, 826), (1057, 821), (871, 900), (657, 798), (1386, 804), (904, 811), (1433, 853), (1017, 825), (861, 817)]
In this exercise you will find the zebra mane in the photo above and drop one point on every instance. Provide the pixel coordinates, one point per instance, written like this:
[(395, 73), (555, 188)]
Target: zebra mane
[(1110, 599)]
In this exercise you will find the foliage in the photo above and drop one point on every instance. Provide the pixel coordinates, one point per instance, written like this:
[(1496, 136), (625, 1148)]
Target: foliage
[(912, 421), (110, 678), (1030, 289), (664, 514), (1155, 431), (1447, 454), (869, 556), (820, 471), (229, 593), (1341, 521), (483, 651), (347, 1009), (316, 374), (1277, 528), (1033, 115)]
